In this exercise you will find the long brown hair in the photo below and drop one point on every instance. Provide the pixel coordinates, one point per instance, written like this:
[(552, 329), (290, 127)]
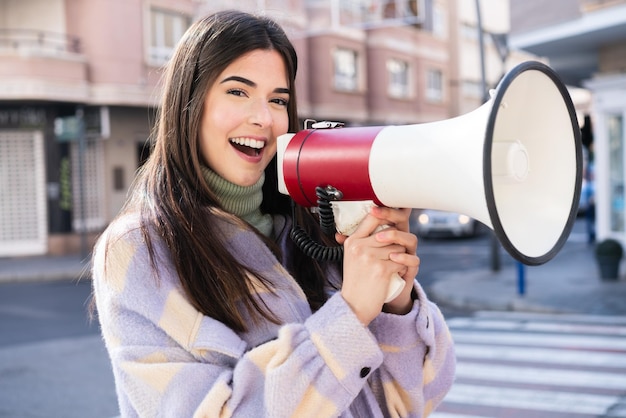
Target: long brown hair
[(171, 193)]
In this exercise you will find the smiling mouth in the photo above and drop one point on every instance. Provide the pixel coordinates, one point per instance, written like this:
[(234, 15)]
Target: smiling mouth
[(248, 146)]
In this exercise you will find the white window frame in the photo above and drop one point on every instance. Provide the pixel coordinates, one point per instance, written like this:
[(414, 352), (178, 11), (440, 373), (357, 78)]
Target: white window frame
[(434, 85), (440, 22), (161, 44), (345, 69), (473, 89), (399, 85)]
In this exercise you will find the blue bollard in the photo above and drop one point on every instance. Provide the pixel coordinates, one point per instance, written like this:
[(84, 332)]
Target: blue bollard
[(521, 278)]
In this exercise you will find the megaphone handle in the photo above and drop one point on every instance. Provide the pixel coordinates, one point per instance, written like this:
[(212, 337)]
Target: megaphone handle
[(348, 214), (396, 284)]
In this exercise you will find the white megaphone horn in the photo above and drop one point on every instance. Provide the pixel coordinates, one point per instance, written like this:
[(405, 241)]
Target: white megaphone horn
[(514, 164)]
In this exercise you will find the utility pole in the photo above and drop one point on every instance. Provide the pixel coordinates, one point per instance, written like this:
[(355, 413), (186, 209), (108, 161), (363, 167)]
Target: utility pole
[(495, 245)]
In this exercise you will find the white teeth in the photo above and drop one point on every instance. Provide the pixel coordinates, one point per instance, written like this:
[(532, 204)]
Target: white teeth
[(248, 142)]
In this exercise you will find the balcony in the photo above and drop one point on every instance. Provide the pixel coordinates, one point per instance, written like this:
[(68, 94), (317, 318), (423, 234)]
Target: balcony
[(38, 65), (38, 42)]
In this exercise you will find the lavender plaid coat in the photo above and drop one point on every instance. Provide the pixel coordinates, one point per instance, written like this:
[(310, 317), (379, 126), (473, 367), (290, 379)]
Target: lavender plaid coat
[(169, 360)]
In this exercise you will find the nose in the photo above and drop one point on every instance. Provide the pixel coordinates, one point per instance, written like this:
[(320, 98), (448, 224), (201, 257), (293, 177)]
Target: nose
[(260, 114)]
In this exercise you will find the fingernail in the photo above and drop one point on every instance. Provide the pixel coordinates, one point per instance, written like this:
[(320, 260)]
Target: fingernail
[(382, 235)]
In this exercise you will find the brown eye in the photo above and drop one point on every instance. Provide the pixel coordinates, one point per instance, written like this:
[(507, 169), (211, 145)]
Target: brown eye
[(281, 102), (236, 92)]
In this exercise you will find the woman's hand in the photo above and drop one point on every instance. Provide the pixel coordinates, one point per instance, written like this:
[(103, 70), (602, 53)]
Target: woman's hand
[(370, 259)]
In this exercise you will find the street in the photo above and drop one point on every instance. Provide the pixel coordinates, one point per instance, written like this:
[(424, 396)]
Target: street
[(53, 362), (443, 254), (52, 359)]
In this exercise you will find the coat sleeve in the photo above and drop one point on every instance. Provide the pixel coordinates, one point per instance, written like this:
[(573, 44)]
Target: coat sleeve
[(419, 360), (170, 360)]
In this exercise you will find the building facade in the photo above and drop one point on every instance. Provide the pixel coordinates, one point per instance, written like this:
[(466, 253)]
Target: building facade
[(585, 42), (480, 69), (79, 86)]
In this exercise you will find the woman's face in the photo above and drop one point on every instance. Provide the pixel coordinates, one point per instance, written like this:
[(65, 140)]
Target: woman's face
[(245, 110)]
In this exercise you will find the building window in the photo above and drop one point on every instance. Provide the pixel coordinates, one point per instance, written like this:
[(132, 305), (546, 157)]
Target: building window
[(88, 195), (166, 28), (434, 85), (398, 71), (345, 61), (440, 22), (399, 9), (472, 89)]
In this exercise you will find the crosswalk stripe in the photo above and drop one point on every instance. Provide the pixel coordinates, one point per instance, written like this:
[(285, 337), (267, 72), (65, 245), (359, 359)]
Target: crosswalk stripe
[(448, 415), (451, 250), (518, 364), (539, 339), (577, 329), (542, 400), (542, 376), (555, 317), (503, 325), (542, 355)]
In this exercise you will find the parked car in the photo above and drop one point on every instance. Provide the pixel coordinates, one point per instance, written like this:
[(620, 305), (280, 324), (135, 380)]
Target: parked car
[(429, 222)]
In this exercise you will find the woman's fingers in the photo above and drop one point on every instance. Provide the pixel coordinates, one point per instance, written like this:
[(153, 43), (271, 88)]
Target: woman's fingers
[(394, 217), (373, 255), (368, 225), (394, 236)]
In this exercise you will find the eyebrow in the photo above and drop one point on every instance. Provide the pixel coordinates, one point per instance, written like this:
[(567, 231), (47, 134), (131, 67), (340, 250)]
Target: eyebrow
[(252, 83)]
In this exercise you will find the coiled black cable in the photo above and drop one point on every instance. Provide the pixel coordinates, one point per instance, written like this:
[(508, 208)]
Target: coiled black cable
[(327, 223), (325, 211)]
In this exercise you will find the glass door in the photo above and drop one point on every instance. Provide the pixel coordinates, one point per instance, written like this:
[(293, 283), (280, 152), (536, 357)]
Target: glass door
[(615, 126)]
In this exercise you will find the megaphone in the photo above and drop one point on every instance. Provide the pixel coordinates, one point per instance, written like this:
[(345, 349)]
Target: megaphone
[(514, 164)]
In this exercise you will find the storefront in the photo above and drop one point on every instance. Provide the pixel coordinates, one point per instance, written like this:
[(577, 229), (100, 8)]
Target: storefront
[(609, 116), (42, 192)]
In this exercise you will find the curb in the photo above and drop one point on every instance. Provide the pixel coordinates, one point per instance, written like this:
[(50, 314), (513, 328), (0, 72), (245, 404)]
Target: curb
[(43, 270), (484, 290)]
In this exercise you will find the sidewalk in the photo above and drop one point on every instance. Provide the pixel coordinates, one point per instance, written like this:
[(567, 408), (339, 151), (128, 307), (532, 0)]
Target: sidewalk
[(43, 268), (569, 283)]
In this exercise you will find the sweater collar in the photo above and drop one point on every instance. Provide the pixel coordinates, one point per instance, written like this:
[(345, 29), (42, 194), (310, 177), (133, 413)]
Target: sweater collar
[(242, 201)]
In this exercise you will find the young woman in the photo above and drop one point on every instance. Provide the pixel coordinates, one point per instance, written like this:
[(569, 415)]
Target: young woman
[(206, 305)]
